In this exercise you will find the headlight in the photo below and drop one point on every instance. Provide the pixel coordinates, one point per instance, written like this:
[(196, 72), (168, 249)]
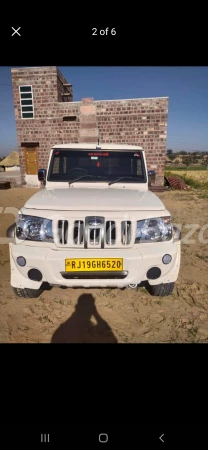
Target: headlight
[(154, 230), (34, 229)]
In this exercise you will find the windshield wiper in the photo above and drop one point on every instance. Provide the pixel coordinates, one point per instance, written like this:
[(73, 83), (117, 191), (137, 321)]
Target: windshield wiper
[(84, 176), (121, 178)]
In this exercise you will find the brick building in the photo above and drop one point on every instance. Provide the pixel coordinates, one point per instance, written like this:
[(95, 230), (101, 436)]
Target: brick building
[(46, 115)]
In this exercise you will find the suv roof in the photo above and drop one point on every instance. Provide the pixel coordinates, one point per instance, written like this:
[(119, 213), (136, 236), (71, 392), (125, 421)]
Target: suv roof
[(97, 146)]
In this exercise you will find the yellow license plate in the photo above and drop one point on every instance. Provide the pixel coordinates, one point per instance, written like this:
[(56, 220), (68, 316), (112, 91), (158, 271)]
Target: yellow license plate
[(93, 264)]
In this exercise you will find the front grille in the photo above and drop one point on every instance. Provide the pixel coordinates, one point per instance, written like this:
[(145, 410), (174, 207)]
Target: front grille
[(94, 232)]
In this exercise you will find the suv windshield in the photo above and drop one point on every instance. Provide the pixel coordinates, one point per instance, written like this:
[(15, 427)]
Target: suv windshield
[(98, 165)]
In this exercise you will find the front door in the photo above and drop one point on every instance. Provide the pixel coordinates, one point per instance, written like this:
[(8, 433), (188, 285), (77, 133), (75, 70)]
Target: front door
[(31, 159)]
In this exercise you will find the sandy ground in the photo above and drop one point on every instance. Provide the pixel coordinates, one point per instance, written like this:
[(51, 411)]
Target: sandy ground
[(112, 315)]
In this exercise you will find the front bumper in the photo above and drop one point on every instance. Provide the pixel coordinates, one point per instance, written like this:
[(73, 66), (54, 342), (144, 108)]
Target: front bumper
[(137, 261)]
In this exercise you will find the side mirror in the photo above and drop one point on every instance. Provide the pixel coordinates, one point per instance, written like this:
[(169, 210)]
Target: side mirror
[(42, 174), (151, 176)]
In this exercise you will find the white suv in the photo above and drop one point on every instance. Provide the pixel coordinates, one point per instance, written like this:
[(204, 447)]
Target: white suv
[(94, 224)]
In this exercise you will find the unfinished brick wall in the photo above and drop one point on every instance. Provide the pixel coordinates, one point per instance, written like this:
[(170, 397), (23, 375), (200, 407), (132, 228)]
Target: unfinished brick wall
[(140, 122), (56, 121)]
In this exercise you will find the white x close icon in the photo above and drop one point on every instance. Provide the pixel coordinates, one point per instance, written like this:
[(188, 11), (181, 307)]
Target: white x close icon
[(16, 31)]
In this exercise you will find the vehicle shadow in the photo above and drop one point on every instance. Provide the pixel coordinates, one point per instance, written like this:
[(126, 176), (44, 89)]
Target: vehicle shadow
[(80, 329)]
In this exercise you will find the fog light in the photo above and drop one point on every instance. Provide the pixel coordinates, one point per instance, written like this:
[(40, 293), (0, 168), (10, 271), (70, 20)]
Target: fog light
[(21, 261), (35, 275), (167, 259), (153, 273)]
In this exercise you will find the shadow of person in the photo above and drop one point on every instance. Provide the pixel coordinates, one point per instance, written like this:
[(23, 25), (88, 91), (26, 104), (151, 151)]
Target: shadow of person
[(80, 328)]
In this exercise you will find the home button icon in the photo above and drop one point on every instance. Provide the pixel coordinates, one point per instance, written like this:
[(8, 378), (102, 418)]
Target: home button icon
[(103, 438)]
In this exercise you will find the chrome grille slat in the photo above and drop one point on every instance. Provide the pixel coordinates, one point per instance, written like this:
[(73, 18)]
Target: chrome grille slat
[(62, 231), (63, 228), (78, 232), (125, 232), (78, 237), (93, 237), (110, 232)]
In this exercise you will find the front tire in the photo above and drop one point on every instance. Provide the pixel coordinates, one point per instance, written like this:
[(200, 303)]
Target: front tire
[(161, 290), (27, 293)]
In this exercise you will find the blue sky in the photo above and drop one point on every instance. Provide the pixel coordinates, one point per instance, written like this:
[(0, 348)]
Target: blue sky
[(186, 87)]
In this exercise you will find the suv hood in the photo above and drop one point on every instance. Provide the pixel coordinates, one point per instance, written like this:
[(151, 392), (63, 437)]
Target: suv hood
[(107, 199)]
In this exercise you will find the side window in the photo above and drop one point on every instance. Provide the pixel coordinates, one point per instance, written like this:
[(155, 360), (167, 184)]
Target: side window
[(64, 164), (139, 167), (56, 165)]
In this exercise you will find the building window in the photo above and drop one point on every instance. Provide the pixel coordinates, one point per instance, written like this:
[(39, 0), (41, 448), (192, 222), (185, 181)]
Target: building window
[(69, 118), (26, 102)]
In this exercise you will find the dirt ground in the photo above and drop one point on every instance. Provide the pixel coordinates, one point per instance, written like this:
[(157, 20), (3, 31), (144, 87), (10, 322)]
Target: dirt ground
[(113, 315)]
